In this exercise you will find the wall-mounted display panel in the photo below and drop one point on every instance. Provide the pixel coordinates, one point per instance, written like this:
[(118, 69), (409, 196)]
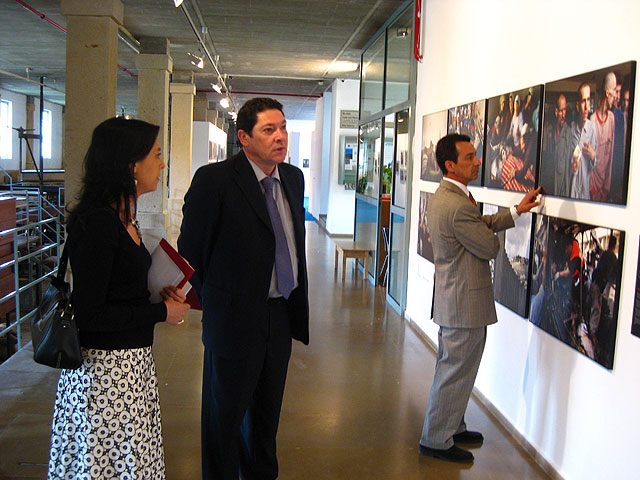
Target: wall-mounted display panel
[(401, 162), (434, 127), (511, 269), (425, 249), (587, 134), (576, 285), (635, 325), (469, 120), (513, 137)]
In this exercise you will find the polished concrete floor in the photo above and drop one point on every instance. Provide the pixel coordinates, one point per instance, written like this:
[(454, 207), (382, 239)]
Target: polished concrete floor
[(353, 407)]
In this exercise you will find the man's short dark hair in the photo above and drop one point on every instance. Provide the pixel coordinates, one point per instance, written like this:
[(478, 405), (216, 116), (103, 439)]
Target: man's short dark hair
[(446, 149), (248, 114)]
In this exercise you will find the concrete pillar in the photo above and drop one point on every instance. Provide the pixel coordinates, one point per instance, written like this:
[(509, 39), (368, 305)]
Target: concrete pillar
[(182, 95), (154, 66), (200, 106), (91, 71)]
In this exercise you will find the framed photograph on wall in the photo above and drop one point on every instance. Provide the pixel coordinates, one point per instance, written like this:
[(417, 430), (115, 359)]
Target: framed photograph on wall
[(513, 139), (575, 287), (586, 135), (434, 127), (635, 322), (511, 269), (469, 120), (425, 249)]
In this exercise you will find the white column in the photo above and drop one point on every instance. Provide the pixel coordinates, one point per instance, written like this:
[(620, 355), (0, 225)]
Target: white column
[(182, 95), (91, 71), (153, 107)]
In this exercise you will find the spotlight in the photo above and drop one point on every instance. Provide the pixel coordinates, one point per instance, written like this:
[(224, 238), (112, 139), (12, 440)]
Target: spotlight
[(216, 87), (197, 60), (224, 102), (342, 66), (177, 3)]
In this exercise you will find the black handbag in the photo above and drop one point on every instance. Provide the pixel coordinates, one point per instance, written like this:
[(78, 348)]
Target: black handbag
[(53, 328)]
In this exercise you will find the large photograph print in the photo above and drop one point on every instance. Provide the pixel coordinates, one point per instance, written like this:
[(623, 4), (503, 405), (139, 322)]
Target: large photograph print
[(513, 137), (586, 135), (434, 127), (635, 322), (469, 120), (425, 249), (510, 270), (576, 285)]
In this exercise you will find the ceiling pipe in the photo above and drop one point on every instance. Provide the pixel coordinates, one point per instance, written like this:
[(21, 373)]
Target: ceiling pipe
[(263, 94), (126, 37), (281, 77), (4, 72)]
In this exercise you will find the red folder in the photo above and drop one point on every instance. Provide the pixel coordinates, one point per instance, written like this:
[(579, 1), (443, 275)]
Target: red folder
[(192, 299), (168, 267)]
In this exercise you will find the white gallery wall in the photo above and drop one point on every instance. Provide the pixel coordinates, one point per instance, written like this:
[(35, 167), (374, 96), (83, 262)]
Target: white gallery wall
[(582, 418), (303, 129), (19, 119), (341, 207)]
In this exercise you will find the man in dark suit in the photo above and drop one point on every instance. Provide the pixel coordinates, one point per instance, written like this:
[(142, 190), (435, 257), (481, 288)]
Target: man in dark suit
[(243, 232), (463, 243)]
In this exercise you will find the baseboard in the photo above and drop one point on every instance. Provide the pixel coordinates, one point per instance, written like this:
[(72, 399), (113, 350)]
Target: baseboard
[(491, 409)]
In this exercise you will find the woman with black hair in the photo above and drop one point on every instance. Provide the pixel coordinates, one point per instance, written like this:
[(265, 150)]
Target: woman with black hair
[(106, 420)]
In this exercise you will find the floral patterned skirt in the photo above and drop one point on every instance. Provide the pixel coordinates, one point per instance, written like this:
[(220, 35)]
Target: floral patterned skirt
[(106, 418)]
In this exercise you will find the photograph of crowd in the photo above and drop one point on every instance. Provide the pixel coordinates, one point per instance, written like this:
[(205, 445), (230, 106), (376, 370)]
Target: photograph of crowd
[(434, 127), (469, 120), (510, 270), (586, 135), (425, 249), (635, 323), (513, 137), (576, 284)]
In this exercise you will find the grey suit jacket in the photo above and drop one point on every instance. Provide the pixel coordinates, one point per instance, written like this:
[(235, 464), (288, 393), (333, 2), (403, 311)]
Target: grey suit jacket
[(463, 243)]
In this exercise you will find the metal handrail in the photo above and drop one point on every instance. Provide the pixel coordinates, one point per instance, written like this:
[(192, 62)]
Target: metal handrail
[(8, 176), (34, 201)]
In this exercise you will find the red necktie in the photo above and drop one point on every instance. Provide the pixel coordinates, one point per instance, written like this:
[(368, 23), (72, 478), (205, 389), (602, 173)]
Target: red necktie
[(473, 200)]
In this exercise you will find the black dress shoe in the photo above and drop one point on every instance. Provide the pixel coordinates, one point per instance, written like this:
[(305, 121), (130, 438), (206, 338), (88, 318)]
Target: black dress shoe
[(468, 437), (453, 454)]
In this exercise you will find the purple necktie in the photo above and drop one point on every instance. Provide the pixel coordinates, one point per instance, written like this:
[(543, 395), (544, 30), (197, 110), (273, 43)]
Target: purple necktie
[(284, 270)]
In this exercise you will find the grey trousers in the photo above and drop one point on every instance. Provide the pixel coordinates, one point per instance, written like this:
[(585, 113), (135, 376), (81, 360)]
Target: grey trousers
[(459, 354)]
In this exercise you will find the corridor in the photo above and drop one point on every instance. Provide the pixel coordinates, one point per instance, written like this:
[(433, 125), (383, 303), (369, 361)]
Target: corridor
[(353, 407)]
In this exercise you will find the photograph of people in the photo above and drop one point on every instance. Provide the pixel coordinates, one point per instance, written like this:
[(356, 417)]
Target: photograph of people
[(434, 127), (469, 120), (576, 280), (585, 135), (512, 140), (425, 249), (510, 269)]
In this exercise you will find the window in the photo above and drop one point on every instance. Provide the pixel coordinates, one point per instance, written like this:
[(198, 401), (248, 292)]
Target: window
[(5, 129), (46, 134)]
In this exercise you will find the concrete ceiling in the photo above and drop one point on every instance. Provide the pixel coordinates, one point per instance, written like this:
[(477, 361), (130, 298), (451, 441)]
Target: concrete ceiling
[(265, 47)]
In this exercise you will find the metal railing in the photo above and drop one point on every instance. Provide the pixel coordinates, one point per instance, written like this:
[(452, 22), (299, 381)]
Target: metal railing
[(38, 235)]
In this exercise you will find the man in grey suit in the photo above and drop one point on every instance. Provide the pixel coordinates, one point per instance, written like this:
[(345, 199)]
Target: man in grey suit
[(463, 243)]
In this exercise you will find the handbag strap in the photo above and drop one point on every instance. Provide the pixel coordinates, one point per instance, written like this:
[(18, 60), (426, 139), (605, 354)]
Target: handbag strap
[(62, 265)]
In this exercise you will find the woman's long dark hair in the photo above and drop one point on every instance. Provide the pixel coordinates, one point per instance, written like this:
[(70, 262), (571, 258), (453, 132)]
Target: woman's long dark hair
[(116, 145)]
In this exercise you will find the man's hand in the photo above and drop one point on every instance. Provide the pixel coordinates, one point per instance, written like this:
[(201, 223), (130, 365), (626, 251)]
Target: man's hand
[(589, 151), (529, 201)]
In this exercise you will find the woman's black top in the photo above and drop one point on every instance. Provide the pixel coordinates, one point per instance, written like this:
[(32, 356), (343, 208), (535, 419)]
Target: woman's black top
[(110, 293)]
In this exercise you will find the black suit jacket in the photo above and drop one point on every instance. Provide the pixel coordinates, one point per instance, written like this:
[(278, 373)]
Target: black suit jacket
[(226, 235)]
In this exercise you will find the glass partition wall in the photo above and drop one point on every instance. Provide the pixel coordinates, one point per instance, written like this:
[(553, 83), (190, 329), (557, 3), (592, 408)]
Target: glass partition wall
[(387, 95)]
